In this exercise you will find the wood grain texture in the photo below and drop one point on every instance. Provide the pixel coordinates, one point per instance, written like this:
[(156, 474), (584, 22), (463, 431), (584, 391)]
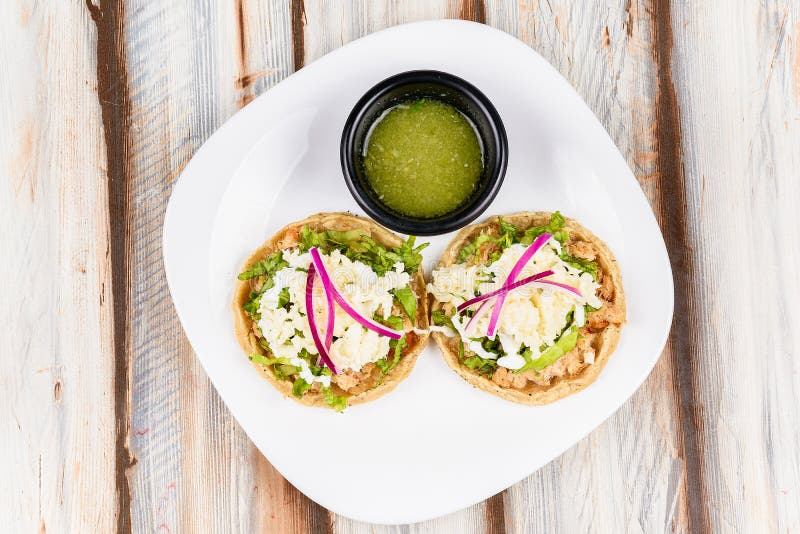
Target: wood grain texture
[(329, 25), (192, 67), (57, 418), (111, 424), (114, 100), (740, 125), (182, 70), (274, 49), (631, 473)]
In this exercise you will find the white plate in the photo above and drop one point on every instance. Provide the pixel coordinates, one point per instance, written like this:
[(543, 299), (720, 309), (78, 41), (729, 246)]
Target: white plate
[(435, 444)]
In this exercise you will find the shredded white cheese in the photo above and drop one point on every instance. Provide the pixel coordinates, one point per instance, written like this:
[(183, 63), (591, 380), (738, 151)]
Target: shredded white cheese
[(532, 315), (287, 331)]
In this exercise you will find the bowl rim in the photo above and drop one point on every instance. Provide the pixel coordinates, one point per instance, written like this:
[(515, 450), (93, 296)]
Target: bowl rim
[(445, 223)]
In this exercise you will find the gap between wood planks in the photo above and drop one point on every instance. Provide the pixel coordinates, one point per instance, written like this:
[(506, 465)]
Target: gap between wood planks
[(316, 518), (674, 225), (113, 96), (115, 106)]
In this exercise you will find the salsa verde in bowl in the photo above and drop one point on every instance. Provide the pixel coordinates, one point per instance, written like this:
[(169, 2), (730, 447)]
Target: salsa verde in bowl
[(424, 152)]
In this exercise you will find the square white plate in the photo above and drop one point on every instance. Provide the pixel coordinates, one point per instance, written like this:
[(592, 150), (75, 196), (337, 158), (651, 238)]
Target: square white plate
[(435, 444)]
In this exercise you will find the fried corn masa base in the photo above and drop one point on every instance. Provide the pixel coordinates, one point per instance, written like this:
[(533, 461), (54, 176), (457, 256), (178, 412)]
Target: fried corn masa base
[(604, 341), (287, 238)]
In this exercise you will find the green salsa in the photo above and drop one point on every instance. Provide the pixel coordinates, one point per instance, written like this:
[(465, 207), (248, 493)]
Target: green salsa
[(423, 158)]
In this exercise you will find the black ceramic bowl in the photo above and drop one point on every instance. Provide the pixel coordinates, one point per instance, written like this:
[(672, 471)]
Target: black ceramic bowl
[(409, 86)]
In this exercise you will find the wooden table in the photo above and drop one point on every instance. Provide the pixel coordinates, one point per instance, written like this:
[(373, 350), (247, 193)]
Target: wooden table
[(108, 420)]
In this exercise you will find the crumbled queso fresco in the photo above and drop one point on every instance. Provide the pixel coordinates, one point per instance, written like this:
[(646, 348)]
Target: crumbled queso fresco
[(287, 331), (532, 316)]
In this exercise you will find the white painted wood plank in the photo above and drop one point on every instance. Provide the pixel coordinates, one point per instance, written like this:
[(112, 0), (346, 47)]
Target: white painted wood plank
[(177, 98), (465, 521), (738, 81), (737, 75), (628, 475), (196, 469), (56, 370), (266, 56), (190, 68), (328, 26)]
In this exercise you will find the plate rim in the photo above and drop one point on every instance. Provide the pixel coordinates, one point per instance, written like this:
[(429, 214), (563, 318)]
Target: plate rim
[(239, 121)]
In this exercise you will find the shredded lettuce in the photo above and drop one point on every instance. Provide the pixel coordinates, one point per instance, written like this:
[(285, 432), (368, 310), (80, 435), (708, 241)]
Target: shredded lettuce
[(408, 301), (263, 270), (281, 367), (328, 240), (510, 234), (397, 346), (311, 359), (359, 246), (284, 300), (284, 371), (554, 226), (336, 402), (580, 264), (489, 345), (483, 365), (470, 249), (266, 360), (299, 387), (253, 304), (383, 260), (268, 266), (440, 318), (393, 321)]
